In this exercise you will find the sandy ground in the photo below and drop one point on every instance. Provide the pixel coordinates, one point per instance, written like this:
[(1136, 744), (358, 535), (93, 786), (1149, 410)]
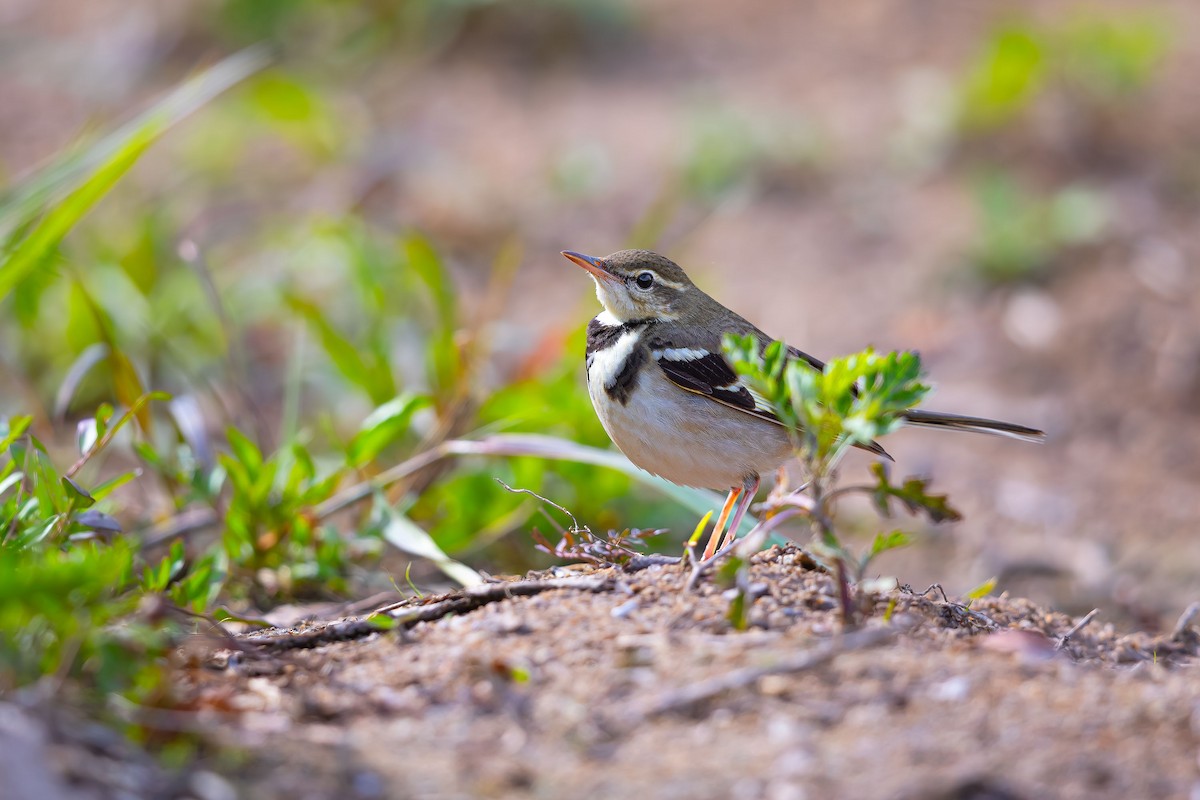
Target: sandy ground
[(619, 684)]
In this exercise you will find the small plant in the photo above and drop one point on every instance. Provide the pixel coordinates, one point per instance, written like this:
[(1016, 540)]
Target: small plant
[(1093, 61), (1020, 235), (72, 611), (852, 402), (578, 543), (728, 149)]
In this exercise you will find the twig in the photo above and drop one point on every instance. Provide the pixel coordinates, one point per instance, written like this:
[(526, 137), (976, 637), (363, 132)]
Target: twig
[(643, 561), (575, 528), (113, 429), (1076, 628), (183, 523), (949, 611), (1184, 624), (690, 696), (406, 614), (932, 587)]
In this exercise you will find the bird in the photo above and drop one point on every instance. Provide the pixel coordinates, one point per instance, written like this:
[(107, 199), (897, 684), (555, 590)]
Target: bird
[(673, 404)]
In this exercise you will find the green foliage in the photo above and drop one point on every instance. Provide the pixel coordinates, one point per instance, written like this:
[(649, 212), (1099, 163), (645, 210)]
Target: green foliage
[(912, 495), (267, 524), (71, 613), (982, 590), (1021, 235), (81, 602), (70, 607), (852, 402), (1094, 60), (33, 218), (727, 148)]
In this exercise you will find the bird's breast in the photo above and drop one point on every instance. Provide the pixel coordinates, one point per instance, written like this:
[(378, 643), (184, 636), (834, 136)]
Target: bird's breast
[(682, 436)]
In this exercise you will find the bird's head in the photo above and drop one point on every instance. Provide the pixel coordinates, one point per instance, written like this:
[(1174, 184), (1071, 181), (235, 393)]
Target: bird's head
[(638, 284)]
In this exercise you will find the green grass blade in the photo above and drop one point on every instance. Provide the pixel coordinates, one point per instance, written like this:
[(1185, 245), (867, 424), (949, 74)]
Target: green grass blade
[(86, 177), (409, 537)]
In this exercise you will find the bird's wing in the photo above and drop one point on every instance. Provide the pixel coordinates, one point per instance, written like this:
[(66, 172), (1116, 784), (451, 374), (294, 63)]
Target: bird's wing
[(707, 372)]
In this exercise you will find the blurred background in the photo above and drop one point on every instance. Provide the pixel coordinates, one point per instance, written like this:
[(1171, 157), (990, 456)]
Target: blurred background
[(352, 254)]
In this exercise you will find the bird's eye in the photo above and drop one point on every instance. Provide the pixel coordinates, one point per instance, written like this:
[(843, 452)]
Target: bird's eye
[(645, 280)]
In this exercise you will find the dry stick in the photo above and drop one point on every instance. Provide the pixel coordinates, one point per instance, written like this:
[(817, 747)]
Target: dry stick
[(1185, 621), (103, 441), (948, 606), (187, 521), (702, 691), (405, 614), (574, 522), (643, 561), (1076, 628)]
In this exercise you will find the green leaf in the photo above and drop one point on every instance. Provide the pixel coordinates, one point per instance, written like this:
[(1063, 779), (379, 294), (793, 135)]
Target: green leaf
[(245, 451), (128, 386), (382, 622), (699, 530), (1005, 80), (405, 535), (104, 415), (727, 573), (982, 590), (10, 481), (384, 426), (80, 498), (112, 484), (90, 175), (738, 614), (425, 262), (889, 541), (373, 378), (913, 495), (13, 429)]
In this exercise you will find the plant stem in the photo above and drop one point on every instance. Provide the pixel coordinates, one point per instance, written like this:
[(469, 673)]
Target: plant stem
[(829, 538)]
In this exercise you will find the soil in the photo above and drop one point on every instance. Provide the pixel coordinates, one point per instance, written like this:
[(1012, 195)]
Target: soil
[(606, 682)]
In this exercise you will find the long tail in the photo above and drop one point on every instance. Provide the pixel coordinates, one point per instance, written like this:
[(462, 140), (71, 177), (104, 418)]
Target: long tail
[(957, 422)]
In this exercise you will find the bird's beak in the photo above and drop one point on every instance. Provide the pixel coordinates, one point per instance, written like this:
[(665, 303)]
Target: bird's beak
[(592, 264)]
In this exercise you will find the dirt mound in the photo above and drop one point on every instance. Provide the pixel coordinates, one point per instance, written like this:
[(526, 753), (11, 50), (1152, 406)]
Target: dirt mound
[(589, 682)]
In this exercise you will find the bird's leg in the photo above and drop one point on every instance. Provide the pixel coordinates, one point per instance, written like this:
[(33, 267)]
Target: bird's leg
[(715, 536), (749, 489)]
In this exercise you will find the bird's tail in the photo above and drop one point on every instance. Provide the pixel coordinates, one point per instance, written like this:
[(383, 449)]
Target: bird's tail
[(957, 422)]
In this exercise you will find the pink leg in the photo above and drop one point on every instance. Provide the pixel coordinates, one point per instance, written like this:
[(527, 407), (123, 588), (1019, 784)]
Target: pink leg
[(750, 489), (715, 536)]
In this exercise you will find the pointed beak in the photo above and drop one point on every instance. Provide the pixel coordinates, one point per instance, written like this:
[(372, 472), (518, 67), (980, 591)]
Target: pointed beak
[(592, 264)]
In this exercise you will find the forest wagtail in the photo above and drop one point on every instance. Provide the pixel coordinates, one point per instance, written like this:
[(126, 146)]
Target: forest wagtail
[(670, 400)]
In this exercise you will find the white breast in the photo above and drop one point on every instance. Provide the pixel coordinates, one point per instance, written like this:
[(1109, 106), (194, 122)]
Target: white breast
[(682, 436), (606, 364)]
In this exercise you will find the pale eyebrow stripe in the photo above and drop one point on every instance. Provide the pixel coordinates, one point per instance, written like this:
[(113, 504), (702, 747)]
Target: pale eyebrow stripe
[(679, 287)]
